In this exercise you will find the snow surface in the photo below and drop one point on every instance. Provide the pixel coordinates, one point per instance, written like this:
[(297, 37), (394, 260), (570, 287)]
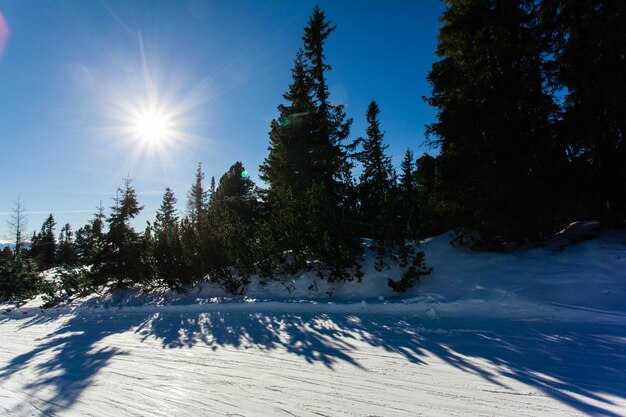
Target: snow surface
[(533, 332)]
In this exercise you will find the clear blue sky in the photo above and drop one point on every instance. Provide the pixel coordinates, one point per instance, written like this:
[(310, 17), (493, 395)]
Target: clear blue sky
[(71, 71)]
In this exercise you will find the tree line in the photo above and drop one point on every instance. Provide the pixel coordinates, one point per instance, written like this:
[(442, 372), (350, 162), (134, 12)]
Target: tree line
[(531, 120)]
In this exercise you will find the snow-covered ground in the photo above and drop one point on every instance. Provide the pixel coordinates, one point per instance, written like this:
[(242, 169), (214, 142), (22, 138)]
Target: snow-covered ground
[(530, 333)]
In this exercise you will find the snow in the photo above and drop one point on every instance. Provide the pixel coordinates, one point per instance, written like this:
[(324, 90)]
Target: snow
[(538, 331)]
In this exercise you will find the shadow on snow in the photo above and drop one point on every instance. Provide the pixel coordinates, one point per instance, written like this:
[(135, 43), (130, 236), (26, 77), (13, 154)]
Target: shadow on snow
[(571, 362)]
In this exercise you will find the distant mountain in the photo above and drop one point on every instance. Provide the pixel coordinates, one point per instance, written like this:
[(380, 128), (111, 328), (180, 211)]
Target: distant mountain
[(4, 243)]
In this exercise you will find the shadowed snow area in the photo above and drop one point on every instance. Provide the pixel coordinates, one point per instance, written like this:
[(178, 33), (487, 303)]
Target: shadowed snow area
[(533, 332)]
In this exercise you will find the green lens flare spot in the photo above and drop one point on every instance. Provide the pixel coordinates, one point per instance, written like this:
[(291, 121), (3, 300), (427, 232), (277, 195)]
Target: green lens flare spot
[(244, 174)]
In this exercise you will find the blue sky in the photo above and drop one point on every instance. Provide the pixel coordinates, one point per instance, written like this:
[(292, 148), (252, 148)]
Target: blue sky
[(73, 71)]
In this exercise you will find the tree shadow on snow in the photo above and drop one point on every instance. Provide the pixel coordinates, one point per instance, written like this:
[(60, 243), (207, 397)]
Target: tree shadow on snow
[(66, 361), (572, 363)]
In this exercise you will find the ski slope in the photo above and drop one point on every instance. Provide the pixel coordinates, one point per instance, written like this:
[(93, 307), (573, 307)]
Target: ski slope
[(536, 332)]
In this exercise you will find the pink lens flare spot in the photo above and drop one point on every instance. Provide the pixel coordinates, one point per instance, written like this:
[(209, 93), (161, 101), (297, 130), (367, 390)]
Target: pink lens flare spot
[(4, 33)]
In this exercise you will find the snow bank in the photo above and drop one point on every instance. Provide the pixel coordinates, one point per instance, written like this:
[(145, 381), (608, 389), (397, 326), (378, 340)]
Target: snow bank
[(566, 279)]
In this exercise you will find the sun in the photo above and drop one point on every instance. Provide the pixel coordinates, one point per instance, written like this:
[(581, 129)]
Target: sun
[(152, 127)]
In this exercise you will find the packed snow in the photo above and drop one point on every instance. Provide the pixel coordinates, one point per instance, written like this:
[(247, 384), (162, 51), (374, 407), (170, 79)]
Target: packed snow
[(529, 332)]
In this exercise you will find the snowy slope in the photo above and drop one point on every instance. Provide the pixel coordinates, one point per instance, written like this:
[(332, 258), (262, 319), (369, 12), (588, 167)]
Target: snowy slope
[(534, 332)]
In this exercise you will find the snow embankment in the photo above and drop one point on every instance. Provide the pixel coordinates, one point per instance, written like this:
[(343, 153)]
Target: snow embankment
[(562, 280)]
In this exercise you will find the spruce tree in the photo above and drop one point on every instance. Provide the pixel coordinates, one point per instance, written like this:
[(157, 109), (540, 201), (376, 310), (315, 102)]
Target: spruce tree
[(97, 223), (377, 179), (232, 216), (331, 127), (171, 265), (429, 218), (167, 214), (407, 195), (407, 176), (589, 44), (332, 232), (90, 239), (499, 159), (211, 189), (66, 253), (307, 163), (121, 261), (289, 164), (43, 245), (197, 198)]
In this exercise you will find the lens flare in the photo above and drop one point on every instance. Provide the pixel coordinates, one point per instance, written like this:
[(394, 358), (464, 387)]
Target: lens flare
[(4, 33)]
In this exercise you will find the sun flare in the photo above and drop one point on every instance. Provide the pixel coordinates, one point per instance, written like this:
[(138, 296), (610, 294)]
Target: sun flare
[(152, 127)]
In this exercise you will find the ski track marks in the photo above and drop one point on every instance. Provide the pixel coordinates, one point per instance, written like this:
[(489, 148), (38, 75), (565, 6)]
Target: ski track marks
[(307, 364)]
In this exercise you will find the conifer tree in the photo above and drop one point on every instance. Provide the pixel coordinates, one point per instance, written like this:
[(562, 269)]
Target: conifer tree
[(197, 197), (428, 219), (171, 264), (589, 44), (407, 176), (43, 245), (307, 163), (232, 217), (167, 214), (499, 158), (377, 177), (122, 261), (289, 164), (377, 180), (331, 125), (66, 253), (97, 223), (90, 239), (211, 188), (125, 209)]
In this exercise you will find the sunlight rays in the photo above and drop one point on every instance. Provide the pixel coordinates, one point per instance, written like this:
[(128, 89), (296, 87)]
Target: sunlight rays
[(146, 112)]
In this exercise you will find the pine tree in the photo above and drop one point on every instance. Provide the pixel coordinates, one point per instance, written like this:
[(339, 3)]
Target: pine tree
[(232, 217), (407, 177), (167, 214), (43, 245), (125, 209), (499, 159), (290, 163), (377, 177), (197, 197), (307, 160), (331, 125), (589, 44), (377, 180), (97, 223), (212, 189), (90, 239), (121, 259), (171, 263), (428, 220), (66, 252)]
